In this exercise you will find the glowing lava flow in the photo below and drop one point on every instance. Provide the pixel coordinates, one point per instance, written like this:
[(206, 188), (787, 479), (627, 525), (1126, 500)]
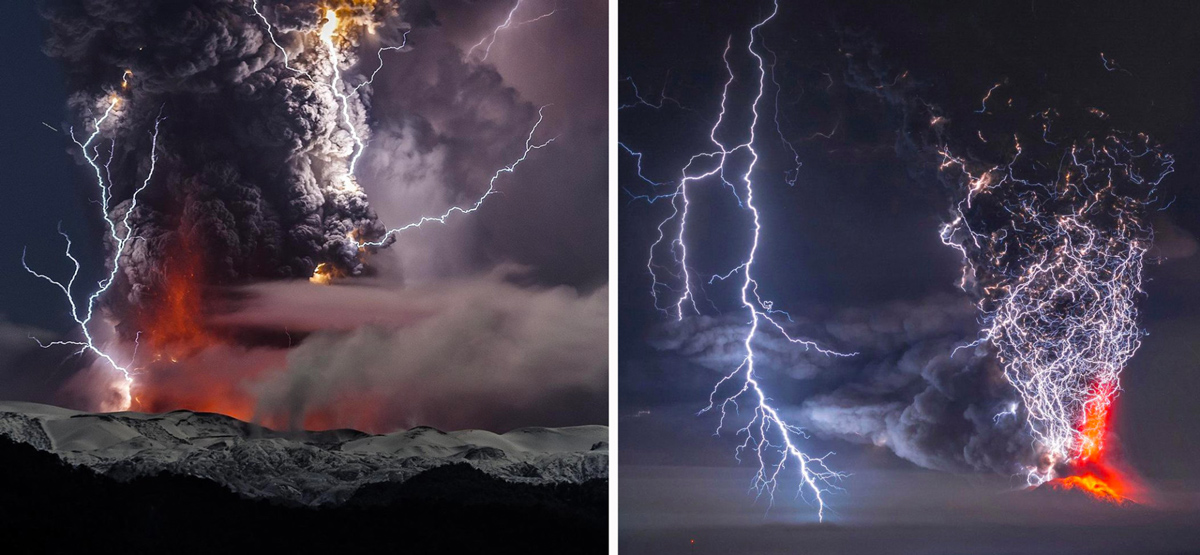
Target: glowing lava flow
[(1091, 473), (771, 439), (1058, 267), (120, 233)]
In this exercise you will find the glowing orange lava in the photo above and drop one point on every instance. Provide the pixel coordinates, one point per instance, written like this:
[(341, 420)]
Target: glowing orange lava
[(1095, 423), (174, 327), (325, 273), (1093, 476), (1110, 489)]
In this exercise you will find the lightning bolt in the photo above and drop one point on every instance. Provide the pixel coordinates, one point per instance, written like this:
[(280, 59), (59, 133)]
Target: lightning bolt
[(530, 146), (769, 438), (508, 23), (287, 61), (983, 103), (119, 232), (326, 34)]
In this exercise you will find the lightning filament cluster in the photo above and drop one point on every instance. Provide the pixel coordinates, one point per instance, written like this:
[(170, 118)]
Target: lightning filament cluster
[(1057, 262)]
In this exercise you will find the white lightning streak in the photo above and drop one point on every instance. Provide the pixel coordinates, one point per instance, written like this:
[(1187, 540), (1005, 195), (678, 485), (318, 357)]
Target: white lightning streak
[(530, 146), (120, 233), (508, 23), (769, 436), (1059, 268)]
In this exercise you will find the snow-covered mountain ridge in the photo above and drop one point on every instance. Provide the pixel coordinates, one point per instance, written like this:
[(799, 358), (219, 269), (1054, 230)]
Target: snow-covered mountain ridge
[(311, 468)]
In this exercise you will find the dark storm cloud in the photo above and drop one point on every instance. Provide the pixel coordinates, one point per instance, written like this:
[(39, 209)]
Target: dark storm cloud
[(246, 156), (445, 123), (906, 389), (249, 152)]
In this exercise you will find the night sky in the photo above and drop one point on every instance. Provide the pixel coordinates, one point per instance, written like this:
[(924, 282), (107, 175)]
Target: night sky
[(523, 281), (856, 240)]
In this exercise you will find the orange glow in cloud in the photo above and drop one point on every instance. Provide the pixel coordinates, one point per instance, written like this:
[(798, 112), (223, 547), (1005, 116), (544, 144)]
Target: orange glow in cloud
[(174, 328)]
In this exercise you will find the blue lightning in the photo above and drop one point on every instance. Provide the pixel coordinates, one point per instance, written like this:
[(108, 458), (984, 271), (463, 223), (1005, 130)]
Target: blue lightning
[(1110, 65), (771, 440), (121, 234)]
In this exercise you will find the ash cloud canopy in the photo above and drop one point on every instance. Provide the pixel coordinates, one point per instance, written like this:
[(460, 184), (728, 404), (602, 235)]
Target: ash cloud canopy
[(252, 154), (252, 189)]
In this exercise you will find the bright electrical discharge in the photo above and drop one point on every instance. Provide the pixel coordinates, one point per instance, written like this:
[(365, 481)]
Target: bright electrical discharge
[(530, 146), (327, 35), (1058, 265), (119, 232), (508, 23), (770, 439)]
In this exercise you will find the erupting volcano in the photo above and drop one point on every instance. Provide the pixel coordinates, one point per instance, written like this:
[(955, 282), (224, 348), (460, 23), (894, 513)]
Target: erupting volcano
[(1091, 471)]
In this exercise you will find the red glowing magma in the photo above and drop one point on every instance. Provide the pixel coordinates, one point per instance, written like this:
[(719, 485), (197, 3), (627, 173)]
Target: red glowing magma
[(175, 323), (187, 364), (1091, 473)]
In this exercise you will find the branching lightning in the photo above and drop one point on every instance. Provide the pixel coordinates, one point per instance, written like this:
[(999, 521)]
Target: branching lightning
[(327, 35), (530, 146), (487, 41), (1058, 266), (769, 438), (119, 232)]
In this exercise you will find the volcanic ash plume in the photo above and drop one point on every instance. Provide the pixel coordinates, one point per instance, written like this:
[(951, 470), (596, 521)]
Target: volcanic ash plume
[(1054, 241), (259, 137)]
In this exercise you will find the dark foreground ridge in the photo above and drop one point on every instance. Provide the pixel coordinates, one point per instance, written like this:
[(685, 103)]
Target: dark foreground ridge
[(48, 506)]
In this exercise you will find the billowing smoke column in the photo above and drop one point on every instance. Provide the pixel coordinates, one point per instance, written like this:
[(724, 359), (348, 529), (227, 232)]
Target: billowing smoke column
[(769, 438), (1054, 240), (1050, 214), (263, 131)]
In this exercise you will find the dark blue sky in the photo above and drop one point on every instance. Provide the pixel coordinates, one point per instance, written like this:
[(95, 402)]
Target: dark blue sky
[(43, 183)]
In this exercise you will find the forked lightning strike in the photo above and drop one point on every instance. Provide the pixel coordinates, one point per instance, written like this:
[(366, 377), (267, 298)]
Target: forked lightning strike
[(530, 146), (508, 23), (772, 440), (327, 35), (336, 84), (120, 233)]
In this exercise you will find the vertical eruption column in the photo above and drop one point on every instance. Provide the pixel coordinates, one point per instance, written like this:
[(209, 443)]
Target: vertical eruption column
[(1057, 263), (769, 439), (329, 36)]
